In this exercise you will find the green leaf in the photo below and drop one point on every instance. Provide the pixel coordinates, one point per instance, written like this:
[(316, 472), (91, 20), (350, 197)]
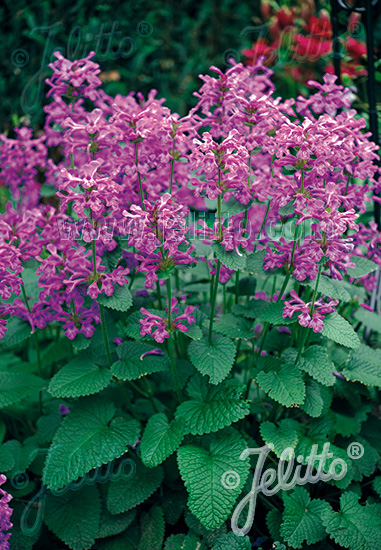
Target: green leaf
[(254, 263), (111, 525), (120, 300), (232, 542), (14, 386), (273, 314), (17, 331), (354, 526), (88, 437), (204, 470), (364, 365), (47, 427), (152, 529), (64, 515), (377, 485), (363, 267), (314, 403), (216, 360), (316, 363), (231, 259), (283, 382), (330, 287), (133, 365), (7, 460), (369, 319), (212, 407), (253, 309), (234, 327), (183, 542), (125, 494), (302, 518), (160, 439), (336, 328), (279, 437), (78, 378)]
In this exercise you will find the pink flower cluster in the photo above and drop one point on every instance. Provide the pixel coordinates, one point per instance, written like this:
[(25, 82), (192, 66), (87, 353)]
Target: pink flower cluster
[(311, 315), (157, 326), (132, 172), (5, 514)]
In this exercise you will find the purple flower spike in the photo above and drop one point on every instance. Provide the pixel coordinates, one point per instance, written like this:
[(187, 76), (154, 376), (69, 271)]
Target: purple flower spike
[(5, 514)]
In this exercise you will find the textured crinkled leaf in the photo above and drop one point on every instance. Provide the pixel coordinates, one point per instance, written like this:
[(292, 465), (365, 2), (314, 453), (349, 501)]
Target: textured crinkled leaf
[(23, 454), (369, 319), (330, 287), (47, 427), (364, 365), (78, 378), (88, 437), (230, 541), (314, 403), (377, 485), (17, 331), (14, 386), (253, 309), (133, 363), (126, 493), (302, 518), (254, 263), (316, 362), (120, 300), (74, 516), (216, 360), (234, 327), (363, 267), (279, 437), (212, 407), (231, 259), (354, 526), (160, 439), (7, 460), (274, 521), (338, 329), (273, 314), (111, 525), (152, 528), (203, 471), (283, 382)]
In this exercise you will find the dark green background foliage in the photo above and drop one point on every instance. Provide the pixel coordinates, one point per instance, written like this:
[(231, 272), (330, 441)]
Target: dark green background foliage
[(186, 39)]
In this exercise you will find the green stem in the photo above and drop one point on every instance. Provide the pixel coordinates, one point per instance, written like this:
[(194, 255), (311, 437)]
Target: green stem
[(158, 291), (36, 343), (214, 300), (307, 333), (173, 367), (94, 259), (236, 287), (105, 334)]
